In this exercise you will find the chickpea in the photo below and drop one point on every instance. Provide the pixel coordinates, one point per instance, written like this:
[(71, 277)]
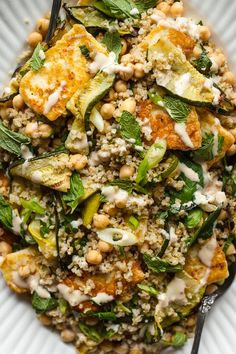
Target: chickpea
[(139, 71), (128, 105), (230, 250), (124, 46), (229, 77), (197, 52), (101, 221), (121, 200), (177, 9), (223, 215), (204, 33), (104, 247), (94, 257), (110, 96), (220, 59), (5, 248), (45, 130), (191, 321), (164, 7), (122, 349), (107, 110), (121, 86), (34, 39), (232, 150), (42, 26), (126, 171), (126, 59), (18, 102), (67, 335), (45, 320), (77, 162), (127, 72), (112, 211)]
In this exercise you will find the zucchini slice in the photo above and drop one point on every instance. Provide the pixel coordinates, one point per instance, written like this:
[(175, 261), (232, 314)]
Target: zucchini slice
[(89, 17), (183, 80), (48, 170)]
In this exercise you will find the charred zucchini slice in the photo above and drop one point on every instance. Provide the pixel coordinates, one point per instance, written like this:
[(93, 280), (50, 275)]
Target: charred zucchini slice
[(183, 80), (89, 17), (48, 170)]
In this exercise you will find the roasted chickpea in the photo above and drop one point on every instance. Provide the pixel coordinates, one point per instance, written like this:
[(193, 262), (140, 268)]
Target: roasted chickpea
[(121, 86), (177, 9), (126, 171), (104, 247), (107, 110), (164, 7), (18, 102), (34, 39), (128, 105), (229, 77), (204, 33), (139, 71), (68, 335), (101, 221), (5, 248), (42, 26), (94, 257)]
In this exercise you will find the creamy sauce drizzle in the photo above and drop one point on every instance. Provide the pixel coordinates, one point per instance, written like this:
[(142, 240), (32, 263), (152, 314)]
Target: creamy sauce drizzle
[(180, 129), (189, 172)]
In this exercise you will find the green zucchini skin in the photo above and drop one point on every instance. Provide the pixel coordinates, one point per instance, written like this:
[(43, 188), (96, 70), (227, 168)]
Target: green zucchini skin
[(49, 170), (89, 17)]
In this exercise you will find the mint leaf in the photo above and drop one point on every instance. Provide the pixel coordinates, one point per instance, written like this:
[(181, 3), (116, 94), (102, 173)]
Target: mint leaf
[(84, 51), (144, 5), (194, 218), (33, 206), (41, 304), (129, 128), (108, 316), (177, 109), (148, 289), (98, 334), (205, 152), (113, 42), (72, 198), (128, 186), (203, 64), (178, 339), (158, 265), (119, 9), (12, 141), (5, 213), (38, 58)]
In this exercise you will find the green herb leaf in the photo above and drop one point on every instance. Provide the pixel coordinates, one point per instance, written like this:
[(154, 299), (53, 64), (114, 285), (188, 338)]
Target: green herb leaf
[(206, 230), (158, 265), (119, 9), (63, 306), (44, 228), (133, 222), (85, 51), (177, 109), (33, 206), (144, 5), (72, 198), (129, 128), (205, 152), (203, 64), (38, 58), (148, 289), (12, 141), (194, 218), (97, 335), (113, 42), (230, 240), (128, 186), (108, 316), (41, 304), (5, 213), (178, 339), (151, 160)]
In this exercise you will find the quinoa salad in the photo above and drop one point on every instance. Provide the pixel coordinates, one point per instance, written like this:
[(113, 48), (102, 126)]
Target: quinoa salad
[(118, 175)]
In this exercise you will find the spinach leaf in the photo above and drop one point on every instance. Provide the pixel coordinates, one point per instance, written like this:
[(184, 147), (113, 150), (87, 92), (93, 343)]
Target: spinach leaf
[(158, 265), (72, 198), (194, 218), (177, 109), (203, 64), (41, 304), (127, 186), (98, 334), (148, 289), (120, 9), (151, 160), (205, 152), (5, 213), (12, 141), (113, 42), (206, 230), (85, 51), (38, 58), (108, 316), (130, 129)]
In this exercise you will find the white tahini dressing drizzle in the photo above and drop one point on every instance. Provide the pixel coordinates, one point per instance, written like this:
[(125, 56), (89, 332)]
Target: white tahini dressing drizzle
[(25, 152), (180, 129), (113, 194), (53, 98), (16, 222), (74, 297), (189, 172), (33, 283), (175, 293), (215, 143), (207, 252), (102, 298), (107, 64)]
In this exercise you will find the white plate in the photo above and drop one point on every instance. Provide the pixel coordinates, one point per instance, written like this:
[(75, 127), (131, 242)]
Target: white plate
[(20, 332)]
